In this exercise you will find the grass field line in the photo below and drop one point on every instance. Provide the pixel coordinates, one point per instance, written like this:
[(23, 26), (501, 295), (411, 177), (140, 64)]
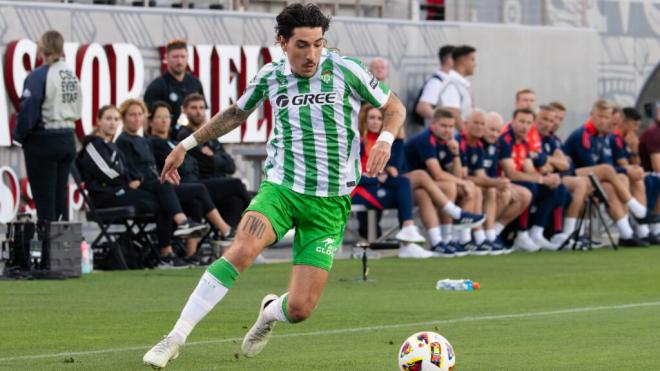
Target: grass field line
[(353, 329)]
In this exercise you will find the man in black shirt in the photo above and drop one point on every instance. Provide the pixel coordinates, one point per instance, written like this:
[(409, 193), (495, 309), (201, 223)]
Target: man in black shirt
[(175, 84), (212, 159)]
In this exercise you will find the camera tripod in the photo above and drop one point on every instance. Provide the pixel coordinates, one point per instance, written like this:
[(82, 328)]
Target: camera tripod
[(596, 197)]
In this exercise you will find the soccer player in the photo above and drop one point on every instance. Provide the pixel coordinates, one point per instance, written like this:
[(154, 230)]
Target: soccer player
[(520, 163), (515, 200), (526, 98), (312, 166), (436, 151), (625, 153), (472, 152), (559, 163), (588, 146)]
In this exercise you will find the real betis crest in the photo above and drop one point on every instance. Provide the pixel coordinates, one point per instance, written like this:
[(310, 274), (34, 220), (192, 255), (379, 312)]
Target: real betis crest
[(326, 76)]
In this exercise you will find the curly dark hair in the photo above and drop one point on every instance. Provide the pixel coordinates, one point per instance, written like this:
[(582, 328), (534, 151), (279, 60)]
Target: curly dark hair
[(300, 15)]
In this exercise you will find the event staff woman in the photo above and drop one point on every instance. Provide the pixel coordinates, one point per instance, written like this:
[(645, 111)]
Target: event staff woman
[(50, 105)]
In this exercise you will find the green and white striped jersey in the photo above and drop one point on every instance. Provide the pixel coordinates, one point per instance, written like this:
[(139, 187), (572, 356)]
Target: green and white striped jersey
[(314, 148)]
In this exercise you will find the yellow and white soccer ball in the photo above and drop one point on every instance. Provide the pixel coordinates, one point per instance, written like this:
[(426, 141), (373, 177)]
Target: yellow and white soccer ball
[(426, 351)]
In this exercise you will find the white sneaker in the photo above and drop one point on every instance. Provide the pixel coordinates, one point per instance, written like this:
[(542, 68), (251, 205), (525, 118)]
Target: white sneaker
[(414, 251), (524, 243), (545, 244), (559, 238), (158, 356), (410, 234), (257, 338)]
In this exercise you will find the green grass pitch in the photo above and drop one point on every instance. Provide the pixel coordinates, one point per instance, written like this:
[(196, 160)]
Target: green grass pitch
[(593, 310)]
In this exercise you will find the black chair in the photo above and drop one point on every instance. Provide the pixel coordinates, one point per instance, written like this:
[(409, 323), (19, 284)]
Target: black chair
[(134, 231)]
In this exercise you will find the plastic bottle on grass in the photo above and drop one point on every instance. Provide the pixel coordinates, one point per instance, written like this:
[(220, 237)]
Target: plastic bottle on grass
[(86, 261), (457, 285)]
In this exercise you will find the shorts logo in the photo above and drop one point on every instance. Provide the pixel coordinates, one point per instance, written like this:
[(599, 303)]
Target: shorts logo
[(308, 99), (328, 247)]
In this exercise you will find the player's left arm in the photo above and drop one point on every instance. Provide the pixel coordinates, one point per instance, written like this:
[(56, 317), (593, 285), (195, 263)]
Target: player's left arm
[(394, 115)]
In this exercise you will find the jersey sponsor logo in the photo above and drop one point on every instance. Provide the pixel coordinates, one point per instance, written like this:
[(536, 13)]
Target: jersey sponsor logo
[(350, 184), (546, 147), (474, 159), (308, 99)]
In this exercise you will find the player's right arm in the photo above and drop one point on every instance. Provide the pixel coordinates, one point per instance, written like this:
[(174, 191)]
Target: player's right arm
[(220, 124)]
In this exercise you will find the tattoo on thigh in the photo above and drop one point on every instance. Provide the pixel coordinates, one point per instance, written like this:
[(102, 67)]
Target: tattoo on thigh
[(254, 226)]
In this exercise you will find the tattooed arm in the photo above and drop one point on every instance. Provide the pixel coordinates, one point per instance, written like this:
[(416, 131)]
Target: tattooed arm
[(219, 125)]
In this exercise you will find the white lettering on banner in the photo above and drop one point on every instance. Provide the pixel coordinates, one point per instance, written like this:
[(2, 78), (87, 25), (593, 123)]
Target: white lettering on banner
[(9, 194), (255, 130), (5, 128), (115, 72), (74, 200), (126, 71), (21, 58), (87, 57), (228, 71), (203, 72)]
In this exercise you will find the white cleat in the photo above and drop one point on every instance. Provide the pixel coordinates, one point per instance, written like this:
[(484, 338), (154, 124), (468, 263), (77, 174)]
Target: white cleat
[(544, 244), (410, 234), (414, 251), (257, 338), (163, 352), (559, 238), (525, 243)]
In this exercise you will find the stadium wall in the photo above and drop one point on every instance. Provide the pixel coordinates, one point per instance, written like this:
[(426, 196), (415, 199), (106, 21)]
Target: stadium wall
[(116, 53)]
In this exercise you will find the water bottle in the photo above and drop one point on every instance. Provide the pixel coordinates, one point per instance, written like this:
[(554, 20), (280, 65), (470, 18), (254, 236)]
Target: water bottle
[(85, 260), (457, 285)]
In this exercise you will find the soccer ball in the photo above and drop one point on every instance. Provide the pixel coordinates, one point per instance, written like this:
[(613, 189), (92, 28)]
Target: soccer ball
[(426, 351)]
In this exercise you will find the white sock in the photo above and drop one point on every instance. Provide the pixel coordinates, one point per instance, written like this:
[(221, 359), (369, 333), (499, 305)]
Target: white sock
[(452, 210), (456, 234), (275, 310), (625, 230), (642, 230), (465, 236), (435, 234), (207, 294), (636, 208), (536, 232), (446, 232), (656, 229), (491, 235), (499, 227), (479, 236), (569, 225)]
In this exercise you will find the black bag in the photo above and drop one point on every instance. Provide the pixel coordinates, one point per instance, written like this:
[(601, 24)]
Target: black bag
[(415, 117)]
